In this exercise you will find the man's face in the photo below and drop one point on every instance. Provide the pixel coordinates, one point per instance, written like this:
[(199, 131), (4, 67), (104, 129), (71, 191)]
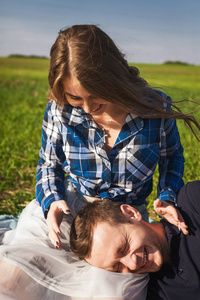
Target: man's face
[(126, 248)]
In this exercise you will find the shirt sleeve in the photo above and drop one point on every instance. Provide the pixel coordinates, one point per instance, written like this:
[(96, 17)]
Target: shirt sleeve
[(171, 162), (50, 174)]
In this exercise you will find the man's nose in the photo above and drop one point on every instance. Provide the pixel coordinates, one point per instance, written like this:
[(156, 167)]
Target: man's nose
[(130, 262)]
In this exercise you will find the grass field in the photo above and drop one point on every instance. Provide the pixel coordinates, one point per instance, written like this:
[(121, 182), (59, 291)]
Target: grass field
[(24, 87)]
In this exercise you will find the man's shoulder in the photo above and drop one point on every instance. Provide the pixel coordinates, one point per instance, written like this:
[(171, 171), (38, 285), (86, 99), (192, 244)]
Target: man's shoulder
[(182, 276), (189, 196)]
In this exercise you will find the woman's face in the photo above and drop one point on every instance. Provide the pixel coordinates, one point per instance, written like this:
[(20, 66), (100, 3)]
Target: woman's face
[(78, 96)]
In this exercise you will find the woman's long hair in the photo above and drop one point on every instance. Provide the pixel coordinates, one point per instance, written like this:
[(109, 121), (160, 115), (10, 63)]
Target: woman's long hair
[(89, 54)]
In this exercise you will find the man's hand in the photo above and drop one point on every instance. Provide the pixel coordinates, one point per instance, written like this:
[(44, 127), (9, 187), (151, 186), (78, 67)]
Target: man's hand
[(54, 219), (171, 214)]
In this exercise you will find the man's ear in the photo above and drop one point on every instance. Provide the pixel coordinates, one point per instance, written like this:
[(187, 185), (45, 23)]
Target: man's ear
[(130, 212)]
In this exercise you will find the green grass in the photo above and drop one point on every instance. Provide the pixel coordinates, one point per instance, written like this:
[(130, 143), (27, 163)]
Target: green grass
[(24, 87)]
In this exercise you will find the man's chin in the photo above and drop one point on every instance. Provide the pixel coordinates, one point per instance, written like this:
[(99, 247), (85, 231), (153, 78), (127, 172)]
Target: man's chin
[(153, 269)]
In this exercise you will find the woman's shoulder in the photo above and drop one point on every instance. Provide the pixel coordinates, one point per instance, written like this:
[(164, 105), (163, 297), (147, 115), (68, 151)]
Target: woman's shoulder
[(161, 93), (167, 99), (57, 109), (56, 112), (66, 114)]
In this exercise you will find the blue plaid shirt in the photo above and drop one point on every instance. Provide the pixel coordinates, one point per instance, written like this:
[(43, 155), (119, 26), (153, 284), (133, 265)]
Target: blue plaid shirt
[(73, 144)]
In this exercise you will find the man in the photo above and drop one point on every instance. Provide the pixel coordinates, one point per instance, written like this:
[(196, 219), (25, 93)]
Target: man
[(117, 239)]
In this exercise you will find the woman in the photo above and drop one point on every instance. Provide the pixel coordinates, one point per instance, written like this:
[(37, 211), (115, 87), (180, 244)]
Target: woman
[(105, 127), (107, 130)]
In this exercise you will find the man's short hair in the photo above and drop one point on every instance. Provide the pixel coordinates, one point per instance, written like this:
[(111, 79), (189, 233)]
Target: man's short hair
[(93, 213)]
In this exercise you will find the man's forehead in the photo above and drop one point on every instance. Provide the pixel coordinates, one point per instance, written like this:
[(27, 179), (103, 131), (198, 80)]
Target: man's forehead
[(101, 228), (105, 231), (107, 240)]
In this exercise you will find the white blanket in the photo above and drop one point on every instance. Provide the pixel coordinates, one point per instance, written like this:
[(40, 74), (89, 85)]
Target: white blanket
[(32, 269)]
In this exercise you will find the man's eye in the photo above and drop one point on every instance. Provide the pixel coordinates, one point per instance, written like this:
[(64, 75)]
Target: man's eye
[(125, 249), (117, 268)]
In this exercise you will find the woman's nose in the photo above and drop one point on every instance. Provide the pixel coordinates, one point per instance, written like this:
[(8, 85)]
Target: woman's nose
[(87, 106)]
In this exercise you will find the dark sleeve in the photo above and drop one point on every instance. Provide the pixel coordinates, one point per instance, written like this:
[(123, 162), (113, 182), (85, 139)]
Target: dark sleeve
[(189, 196)]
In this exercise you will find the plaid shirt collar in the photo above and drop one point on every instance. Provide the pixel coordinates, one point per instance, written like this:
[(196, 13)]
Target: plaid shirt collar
[(132, 125), (77, 116)]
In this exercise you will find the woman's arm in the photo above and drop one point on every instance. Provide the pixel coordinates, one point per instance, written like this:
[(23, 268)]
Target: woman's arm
[(50, 175), (171, 167), (171, 162)]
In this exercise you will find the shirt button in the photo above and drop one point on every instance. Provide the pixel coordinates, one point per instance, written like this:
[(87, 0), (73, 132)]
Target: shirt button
[(180, 271)]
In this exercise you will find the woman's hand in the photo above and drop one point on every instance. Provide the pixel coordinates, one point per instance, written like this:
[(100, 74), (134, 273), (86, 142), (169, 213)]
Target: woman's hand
[(171, 214), (54, 219)]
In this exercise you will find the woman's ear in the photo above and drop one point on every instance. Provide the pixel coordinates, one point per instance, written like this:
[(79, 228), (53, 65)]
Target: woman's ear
[(130, 212)]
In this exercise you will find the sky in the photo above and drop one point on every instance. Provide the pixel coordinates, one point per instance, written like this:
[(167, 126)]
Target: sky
[(147, 31)]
